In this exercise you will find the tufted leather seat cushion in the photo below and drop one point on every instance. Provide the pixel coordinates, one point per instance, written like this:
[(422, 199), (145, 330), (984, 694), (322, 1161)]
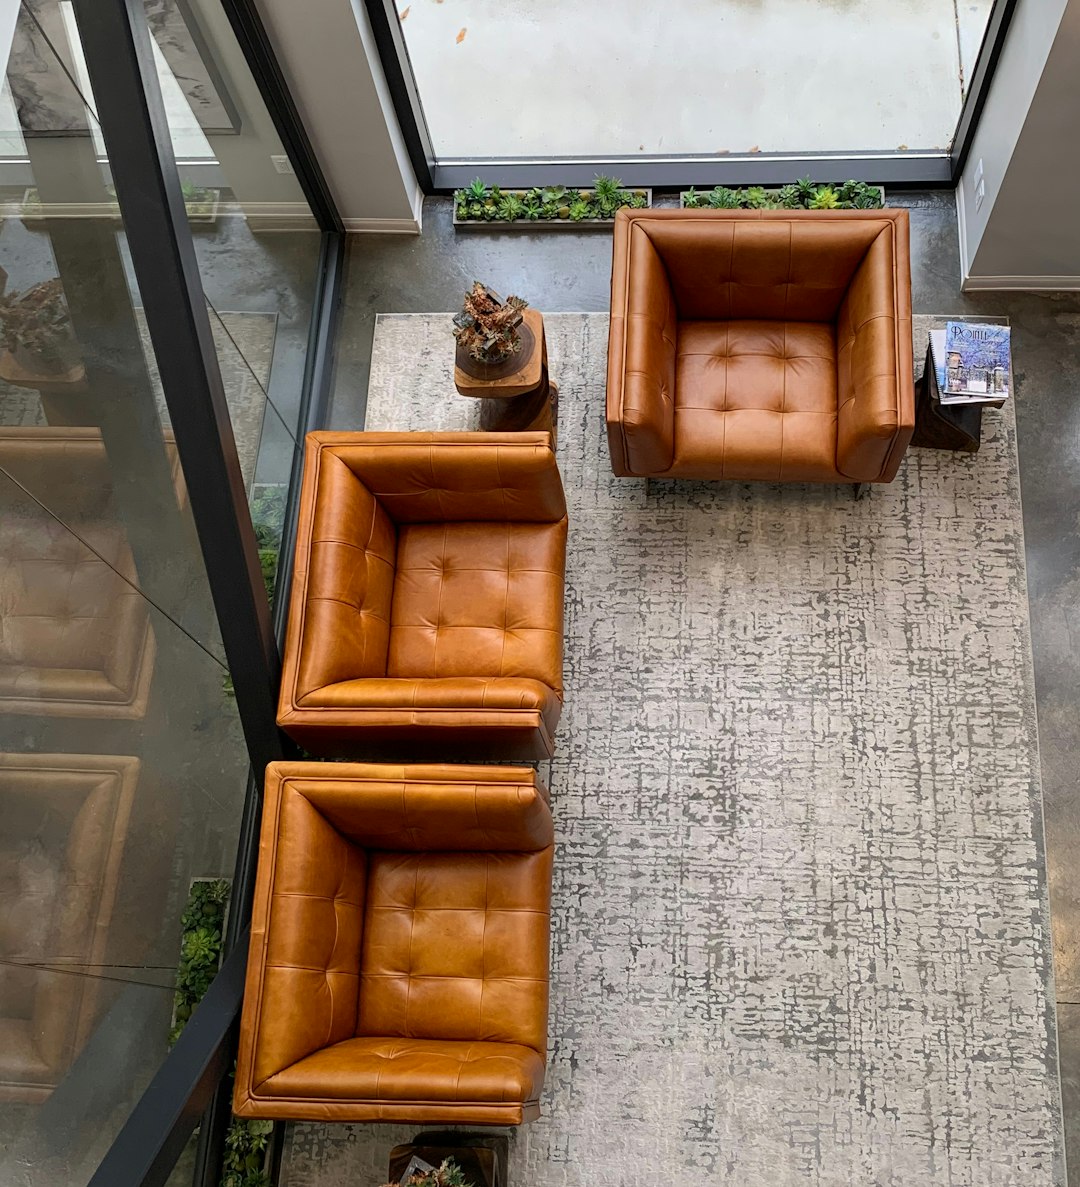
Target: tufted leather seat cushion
[(757, 396), (427, 599), (760, 345), (399, 954), (478, 599)]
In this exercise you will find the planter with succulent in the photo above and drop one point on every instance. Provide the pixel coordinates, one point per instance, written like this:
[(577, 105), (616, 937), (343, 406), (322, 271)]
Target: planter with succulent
[(488, 330), (479, 204), (803, 194), (35, 330), (201, 202)]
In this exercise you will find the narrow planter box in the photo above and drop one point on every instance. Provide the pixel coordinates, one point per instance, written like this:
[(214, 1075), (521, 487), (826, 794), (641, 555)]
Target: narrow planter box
[(541, 224), (768, 189)]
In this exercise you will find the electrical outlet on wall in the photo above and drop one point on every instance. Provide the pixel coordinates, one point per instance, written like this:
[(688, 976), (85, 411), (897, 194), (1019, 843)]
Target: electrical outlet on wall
[(980, 193), (282, 164)]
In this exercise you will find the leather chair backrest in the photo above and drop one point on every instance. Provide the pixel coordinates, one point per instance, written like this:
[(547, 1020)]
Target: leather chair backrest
[(764, 265), (517, 479), (386, 811)]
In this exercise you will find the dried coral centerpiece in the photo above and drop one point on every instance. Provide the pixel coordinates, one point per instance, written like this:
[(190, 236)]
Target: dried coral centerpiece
[(487, 327), (36, 328)]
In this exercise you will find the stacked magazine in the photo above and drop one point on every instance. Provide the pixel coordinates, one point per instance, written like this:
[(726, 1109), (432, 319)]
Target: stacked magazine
[(971, 362)]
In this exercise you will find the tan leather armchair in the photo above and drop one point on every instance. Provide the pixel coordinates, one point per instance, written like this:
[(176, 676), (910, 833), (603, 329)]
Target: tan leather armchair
[(427, 598), (65, 821), (398, 968), (760, 344)]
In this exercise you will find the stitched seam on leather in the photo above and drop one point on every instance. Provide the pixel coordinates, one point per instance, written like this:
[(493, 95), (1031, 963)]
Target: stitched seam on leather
[(506, 606), (783, 388), (483, 942), (364, 548), (412, 933), (438, 612)]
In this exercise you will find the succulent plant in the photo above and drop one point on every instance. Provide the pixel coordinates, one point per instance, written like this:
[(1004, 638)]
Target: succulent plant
[(487, 326), (825, 198), (609, 195), (788, 197), (755, 198), (806, 189), (691, 199), (638, 202), (580, 210), (510, 207), (722, 198), (476, 190)]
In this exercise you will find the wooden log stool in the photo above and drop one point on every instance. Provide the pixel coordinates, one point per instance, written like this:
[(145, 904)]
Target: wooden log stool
[(518, 395)]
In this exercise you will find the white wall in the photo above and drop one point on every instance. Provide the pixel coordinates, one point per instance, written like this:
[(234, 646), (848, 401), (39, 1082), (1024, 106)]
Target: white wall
[(1027, 234), (327, 53)]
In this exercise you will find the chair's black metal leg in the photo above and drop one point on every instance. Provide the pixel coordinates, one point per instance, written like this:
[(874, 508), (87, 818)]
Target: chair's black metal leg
[(862, 489)]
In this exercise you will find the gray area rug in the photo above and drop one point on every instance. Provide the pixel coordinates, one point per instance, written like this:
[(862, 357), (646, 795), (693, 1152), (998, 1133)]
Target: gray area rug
[(800, 923), (245, 350)]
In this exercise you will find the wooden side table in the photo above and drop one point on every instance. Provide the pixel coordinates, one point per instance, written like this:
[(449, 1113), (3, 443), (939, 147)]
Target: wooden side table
[(482, 1157), (60, 391), (518, 395)]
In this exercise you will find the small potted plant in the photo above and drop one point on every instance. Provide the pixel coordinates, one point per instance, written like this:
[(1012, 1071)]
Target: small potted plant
[(488, 328), (35, 329), (422, 1174)]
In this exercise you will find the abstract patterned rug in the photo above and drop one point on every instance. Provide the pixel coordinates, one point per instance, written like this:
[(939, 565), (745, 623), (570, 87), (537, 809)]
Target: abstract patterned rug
[(800, 922)]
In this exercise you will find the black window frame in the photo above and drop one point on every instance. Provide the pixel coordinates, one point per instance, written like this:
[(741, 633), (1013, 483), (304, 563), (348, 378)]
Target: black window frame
[(922, 169)]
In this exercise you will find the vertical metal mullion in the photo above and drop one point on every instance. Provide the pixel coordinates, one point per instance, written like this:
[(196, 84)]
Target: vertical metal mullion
[(258, 52), (401, 81), (982, 75), (119, 56)]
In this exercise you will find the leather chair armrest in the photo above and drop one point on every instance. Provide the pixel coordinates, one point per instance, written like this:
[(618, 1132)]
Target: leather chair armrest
[(875, 396), (641, 356), (455, 477), (302, 985)]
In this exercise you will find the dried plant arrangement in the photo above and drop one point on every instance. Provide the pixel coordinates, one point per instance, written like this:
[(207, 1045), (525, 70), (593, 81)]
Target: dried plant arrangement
[(487, 327)]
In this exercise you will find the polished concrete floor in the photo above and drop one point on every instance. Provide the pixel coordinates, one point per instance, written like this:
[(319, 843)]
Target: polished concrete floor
[(567, 271), (690, 76)]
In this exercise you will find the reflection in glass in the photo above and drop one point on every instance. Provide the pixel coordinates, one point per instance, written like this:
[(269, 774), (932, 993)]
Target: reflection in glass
[(65, 826), (122, 760), (76, 637)]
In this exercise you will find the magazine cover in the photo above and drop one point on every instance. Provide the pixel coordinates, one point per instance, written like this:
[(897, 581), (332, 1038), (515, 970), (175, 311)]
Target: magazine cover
[(976, 362)]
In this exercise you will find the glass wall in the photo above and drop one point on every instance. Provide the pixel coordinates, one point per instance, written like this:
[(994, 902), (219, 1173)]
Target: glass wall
[(690, 77), (122, 762)]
